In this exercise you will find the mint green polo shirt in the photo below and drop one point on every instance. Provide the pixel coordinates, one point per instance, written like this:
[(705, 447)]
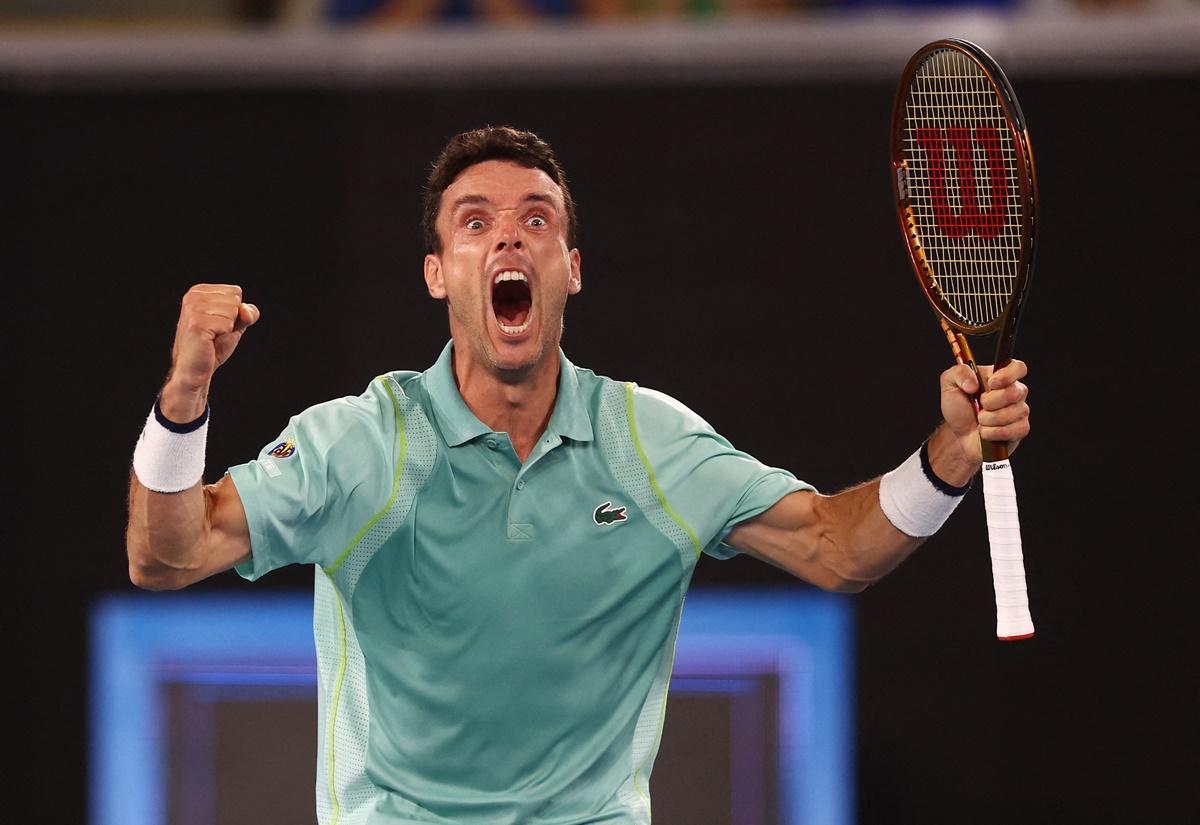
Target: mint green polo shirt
[(495, 638)]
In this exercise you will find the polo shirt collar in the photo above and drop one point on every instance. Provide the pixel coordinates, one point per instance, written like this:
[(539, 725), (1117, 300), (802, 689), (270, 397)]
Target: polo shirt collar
[(459, 425)]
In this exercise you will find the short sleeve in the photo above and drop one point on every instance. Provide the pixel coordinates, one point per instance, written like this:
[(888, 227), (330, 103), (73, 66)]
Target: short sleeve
[(711, 484), (311, 489)]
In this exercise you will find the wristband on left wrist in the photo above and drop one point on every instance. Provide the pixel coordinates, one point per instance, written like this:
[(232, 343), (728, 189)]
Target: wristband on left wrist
[(914, 499)]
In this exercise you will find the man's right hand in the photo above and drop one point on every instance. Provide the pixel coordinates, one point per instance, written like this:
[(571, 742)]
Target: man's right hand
[(211, 322)]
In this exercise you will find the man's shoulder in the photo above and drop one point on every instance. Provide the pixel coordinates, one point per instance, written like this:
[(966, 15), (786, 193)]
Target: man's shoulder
[(400, 378), (654, 409), (375, 406), (658, 403), (662, 418)]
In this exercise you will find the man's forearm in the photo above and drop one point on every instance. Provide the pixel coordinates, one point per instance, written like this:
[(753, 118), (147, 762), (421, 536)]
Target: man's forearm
[(877, 525), (165, 534), (864, 546)]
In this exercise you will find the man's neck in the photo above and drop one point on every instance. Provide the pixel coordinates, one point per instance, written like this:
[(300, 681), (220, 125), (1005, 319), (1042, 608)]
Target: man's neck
[(520, 408)]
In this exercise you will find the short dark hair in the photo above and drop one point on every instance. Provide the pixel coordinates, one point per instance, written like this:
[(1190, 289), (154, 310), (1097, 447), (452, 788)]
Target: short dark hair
[(489, 143)]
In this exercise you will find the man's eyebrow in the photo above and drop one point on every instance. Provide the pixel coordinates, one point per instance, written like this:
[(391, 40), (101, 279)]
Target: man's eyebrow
[(464, 200), (532, 197), (539, 197)]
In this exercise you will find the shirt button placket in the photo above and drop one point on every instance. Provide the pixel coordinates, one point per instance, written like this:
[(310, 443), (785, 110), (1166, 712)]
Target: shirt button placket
[(518, 528)]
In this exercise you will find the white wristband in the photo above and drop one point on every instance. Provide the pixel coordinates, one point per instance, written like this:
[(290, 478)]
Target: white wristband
[(914, 500), (169, 457)]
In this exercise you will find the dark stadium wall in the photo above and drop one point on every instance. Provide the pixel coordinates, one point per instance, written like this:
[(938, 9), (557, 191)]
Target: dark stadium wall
[(740, 252)]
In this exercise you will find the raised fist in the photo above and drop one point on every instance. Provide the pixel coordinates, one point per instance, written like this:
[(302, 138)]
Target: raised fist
[(211, 322)]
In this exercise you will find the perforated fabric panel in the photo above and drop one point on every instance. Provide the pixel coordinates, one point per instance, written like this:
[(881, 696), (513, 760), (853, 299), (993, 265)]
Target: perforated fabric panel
[(345, 796), (325, 624), (636, 791), (620, 450), (416, 449)]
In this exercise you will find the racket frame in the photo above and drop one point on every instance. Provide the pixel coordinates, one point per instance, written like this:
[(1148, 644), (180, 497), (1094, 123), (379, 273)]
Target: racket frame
[(953, 326)]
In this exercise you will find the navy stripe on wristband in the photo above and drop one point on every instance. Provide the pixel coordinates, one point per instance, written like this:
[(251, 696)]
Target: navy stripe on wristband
[(948, 489), (181, 429)]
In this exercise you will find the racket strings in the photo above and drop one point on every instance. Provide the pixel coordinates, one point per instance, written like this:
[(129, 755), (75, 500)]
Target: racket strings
[(964, 185)]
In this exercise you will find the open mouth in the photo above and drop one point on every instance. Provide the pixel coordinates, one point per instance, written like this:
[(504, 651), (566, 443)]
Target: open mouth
[(512, 301)]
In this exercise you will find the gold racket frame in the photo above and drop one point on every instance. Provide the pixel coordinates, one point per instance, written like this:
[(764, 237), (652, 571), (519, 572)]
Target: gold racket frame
[(954, 327)]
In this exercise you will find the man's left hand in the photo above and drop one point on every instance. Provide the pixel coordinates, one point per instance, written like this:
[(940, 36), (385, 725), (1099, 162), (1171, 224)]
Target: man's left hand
[(1004, 413)]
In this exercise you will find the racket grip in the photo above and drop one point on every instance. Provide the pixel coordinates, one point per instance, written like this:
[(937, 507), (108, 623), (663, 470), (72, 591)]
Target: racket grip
[(1008, 564)]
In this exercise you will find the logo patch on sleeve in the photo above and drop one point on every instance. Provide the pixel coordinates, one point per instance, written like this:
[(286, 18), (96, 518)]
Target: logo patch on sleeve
[(606, 514), (284, 449)]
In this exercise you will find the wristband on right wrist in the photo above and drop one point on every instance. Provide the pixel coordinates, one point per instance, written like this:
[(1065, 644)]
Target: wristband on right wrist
[(169, 457)]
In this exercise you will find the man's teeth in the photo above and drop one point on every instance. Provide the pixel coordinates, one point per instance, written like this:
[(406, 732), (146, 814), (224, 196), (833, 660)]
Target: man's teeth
[(515, 330), (513, 275)]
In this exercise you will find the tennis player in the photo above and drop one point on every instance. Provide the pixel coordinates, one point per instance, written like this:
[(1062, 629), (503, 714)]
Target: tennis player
[(502, 543)]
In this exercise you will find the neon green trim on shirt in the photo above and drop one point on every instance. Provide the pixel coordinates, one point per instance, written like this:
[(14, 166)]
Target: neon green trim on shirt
[(662, 497), (333, 707), (333, 568), (335, 700), (638, 781)]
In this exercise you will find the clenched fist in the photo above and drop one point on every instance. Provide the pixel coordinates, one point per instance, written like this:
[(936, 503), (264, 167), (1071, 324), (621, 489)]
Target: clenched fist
[(1004, 410), (211, 322)]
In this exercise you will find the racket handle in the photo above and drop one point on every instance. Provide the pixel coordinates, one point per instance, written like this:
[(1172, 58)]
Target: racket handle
[(1008, 564)]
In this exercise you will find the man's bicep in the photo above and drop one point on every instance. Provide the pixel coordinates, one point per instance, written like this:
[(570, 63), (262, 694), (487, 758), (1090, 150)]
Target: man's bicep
[(777, 527), (228, 529), (788, 535), (711, 484)]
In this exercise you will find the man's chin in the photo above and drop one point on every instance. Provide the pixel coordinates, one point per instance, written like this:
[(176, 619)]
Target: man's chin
[(514, 370), (513, 363)]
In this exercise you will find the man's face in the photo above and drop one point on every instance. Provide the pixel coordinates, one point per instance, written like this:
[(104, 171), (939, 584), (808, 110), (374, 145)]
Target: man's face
[(505, 268)]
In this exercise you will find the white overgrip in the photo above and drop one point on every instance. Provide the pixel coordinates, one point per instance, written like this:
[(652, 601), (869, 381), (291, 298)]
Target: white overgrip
[(1008, 563)]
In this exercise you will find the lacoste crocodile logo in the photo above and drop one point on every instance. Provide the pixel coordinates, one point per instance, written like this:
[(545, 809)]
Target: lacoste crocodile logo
[(604, 516)]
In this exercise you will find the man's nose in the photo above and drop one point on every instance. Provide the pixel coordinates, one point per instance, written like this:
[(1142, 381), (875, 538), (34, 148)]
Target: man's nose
[(510, 237)]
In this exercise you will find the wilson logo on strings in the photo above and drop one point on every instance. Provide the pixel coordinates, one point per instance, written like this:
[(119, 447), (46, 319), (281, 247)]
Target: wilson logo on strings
[(971, 218)]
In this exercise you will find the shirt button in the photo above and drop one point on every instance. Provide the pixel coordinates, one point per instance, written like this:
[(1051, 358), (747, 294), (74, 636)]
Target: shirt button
[(491, 442), (521, 484)]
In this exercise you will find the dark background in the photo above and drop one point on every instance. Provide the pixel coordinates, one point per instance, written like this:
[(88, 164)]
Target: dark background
[(740, 252)]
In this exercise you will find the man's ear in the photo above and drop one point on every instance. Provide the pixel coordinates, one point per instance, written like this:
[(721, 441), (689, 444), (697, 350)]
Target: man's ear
[(433, 277), (575, 281)]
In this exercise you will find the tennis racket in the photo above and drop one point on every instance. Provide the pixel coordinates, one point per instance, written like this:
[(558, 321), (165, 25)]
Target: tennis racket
[(966, 195)]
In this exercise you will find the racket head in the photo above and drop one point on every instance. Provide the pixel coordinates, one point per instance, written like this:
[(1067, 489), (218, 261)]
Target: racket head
[(965, 187)]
